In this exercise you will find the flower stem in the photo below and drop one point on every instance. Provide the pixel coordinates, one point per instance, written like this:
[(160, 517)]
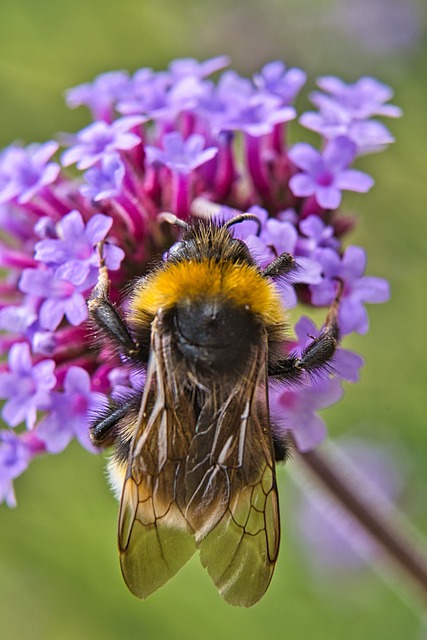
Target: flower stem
[(379, 518)]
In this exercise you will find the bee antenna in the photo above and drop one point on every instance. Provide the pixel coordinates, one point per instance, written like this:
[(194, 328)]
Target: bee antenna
[(171, 218), (241, 218)]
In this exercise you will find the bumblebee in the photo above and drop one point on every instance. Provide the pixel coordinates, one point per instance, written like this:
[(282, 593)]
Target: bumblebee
[(194, 452)]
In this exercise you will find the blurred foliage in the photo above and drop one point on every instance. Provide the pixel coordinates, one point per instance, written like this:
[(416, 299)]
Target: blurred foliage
[(58, 559)]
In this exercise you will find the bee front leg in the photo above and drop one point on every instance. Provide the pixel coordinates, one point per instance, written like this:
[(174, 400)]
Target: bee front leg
[(105, 315), (317, 355), (281, 266)]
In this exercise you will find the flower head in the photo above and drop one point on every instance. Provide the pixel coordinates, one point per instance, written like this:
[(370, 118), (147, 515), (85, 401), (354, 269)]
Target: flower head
[(178, 141)]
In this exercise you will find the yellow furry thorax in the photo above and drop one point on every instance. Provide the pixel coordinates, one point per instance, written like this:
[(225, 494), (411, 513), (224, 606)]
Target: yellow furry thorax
[(240, 284)]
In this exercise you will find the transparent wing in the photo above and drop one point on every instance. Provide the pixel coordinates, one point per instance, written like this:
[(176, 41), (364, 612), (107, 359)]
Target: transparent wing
[(231, 495), (155, 540)]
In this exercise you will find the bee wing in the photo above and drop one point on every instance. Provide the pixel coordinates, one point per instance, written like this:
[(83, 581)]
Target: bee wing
[(232, 502), (155, 540)]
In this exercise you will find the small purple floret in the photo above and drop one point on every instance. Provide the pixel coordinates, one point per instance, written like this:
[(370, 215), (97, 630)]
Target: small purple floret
[(326, 174), (26, 387), (70, 411)]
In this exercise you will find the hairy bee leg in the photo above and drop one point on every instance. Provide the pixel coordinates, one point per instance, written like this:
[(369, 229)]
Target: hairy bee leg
[(104, 314), (281, 266), (282, 447), (103, 432), (318, 353)]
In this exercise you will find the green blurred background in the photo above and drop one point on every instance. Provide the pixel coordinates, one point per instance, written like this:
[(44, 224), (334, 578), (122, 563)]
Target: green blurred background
[(59, 574)]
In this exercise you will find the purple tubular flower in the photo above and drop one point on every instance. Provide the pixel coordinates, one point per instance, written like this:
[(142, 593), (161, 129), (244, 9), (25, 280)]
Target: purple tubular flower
[(101, 95), (74, 253), (285, 83), (315, 234), (363, 99), (296, 410), (26, 387), (70, 411), (257, 114), (14, 459), (326, 175), (333, 121), (358, 288), (99, 139), (192, 67), (25, 172), (105, 181), (179, 155), (60, 297)]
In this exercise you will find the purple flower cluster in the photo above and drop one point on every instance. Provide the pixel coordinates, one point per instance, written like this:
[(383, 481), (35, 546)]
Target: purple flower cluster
[(173, 141)]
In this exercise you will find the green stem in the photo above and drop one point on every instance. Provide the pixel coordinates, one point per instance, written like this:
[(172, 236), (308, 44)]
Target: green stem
[(379, 518)]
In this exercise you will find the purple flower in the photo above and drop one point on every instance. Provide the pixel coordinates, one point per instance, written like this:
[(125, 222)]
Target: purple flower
[(160, 96), (74, 253), (315, 234), (100, 139), (179, 155), (333, 121), (22, 320), (192, 67), (105, 181), (279, 81), (147, 94), (358, 289), (363, 99), (70, 411), (25, 172), (296, 410), (18, 318), (125, 381), (60, 297), (26, 387), (16, 223), (325, 175), (14, 459), (257, 114), (100, 95)]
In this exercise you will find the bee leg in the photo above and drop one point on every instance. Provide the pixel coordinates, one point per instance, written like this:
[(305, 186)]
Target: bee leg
[(281, 266), (317, 354), (282, 447), (105, 315), (103, 431), (112, 426)]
